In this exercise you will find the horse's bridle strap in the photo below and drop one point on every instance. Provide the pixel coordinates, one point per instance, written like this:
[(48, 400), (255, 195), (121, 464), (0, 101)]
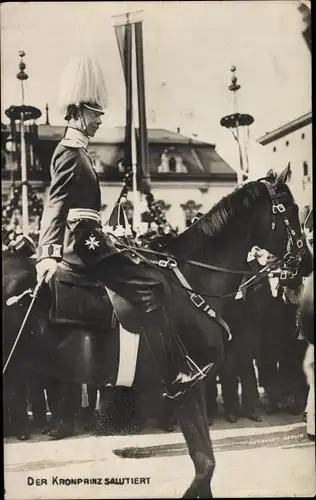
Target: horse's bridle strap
[(171, 262), (200, 303)]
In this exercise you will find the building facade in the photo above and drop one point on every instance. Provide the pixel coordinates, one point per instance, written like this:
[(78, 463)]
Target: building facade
[(291, 145), (187, 175)]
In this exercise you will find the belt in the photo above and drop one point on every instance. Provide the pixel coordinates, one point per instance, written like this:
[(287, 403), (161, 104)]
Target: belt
[(75, 214)]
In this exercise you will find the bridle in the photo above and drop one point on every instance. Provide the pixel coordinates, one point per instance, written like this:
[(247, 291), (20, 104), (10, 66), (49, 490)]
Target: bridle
[(295, 242), (286, 268)]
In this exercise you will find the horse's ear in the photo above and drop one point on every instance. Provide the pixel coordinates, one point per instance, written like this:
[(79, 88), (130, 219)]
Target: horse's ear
[(284, 176), (271, 176)]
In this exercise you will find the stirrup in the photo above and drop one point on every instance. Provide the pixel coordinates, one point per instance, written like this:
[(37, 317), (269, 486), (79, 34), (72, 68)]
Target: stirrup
[(197, 377), (194, 366), (200, 374)]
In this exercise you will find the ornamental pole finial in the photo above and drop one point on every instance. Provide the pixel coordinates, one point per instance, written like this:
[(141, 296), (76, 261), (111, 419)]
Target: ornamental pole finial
[(47, 114), (234, 86), (235, 122), (22, 75)]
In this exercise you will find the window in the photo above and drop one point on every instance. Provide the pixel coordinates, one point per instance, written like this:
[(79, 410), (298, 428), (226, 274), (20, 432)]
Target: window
[(191, 208), (172, 164), (305, 168), (287, 143), (274, 149), (171, 160), (303, 136)]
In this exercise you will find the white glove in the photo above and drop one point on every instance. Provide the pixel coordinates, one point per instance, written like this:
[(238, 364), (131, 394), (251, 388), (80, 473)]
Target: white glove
[(46, 267)]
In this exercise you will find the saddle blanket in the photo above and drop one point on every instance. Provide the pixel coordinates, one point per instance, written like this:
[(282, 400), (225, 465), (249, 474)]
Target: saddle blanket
[(129, 343), (128, 353)]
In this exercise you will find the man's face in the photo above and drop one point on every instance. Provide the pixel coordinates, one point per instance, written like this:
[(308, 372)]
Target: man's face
[(92, 120)]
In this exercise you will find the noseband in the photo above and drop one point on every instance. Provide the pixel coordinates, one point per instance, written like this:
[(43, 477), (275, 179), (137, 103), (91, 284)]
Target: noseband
[(295, 242)]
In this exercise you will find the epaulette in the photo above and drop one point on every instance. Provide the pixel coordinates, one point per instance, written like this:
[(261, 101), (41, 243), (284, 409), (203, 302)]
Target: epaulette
[(70, 143)]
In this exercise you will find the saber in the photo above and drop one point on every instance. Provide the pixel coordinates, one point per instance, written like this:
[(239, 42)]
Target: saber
[(28, 312)]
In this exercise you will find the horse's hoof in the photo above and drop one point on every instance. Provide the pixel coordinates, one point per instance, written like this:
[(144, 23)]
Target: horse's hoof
[(253, 417), (23, 437), (62, 432), (56, 434), (46, 430), (232, 418)]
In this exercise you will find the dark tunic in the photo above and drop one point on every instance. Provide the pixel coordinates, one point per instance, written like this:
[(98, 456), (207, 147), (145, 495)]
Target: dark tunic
[(74, 184)]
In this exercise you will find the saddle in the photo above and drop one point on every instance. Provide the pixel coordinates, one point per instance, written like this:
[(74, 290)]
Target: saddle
[(79, 301)]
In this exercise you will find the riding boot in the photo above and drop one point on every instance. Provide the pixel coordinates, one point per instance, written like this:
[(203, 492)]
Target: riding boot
[(176, 370)]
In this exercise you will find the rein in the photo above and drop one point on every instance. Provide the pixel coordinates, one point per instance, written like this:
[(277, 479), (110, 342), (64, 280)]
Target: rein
[(171, 262), (181, 282)]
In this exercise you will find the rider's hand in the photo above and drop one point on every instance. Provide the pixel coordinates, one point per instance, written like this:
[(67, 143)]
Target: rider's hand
[(46, 267)]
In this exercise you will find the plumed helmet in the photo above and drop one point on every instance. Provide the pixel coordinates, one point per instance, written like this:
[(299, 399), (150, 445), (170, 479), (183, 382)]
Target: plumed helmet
[(82, 83)]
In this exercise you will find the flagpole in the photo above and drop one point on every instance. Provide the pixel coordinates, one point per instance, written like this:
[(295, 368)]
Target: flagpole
[(25, 209), (143, 134), (136, 193), (126, 43)]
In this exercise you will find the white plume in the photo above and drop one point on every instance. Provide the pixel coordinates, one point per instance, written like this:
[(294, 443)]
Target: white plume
[(82, 80)]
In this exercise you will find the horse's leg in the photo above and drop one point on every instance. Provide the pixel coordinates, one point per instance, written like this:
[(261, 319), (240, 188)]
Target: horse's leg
[(19, 415), (191, 413), (52, 393), (166, 416), (37, 399), (106, 395), (69, 394), (210, 395), (205, 485), (89, 412)]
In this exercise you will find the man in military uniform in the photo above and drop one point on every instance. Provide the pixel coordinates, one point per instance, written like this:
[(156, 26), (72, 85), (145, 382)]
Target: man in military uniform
[(71, 222)]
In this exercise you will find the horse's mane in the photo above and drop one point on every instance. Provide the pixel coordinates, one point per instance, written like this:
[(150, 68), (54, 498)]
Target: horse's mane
[(217, 219)]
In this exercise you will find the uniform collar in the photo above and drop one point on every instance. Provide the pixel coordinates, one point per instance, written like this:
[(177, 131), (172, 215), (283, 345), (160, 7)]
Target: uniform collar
[(75, 137)]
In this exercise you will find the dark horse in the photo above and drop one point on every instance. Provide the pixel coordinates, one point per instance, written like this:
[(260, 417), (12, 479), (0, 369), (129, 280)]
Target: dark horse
[(220, 238)]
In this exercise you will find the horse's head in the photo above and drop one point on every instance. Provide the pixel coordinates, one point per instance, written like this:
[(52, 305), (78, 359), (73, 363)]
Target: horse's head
[(278, 229)]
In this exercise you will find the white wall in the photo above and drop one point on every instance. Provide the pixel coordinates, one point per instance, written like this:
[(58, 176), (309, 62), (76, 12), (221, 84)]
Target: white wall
[(174, 194), (297, 151)]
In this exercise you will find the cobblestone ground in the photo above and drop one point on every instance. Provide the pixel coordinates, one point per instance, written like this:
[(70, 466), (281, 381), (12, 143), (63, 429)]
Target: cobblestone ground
[(270, 459)]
